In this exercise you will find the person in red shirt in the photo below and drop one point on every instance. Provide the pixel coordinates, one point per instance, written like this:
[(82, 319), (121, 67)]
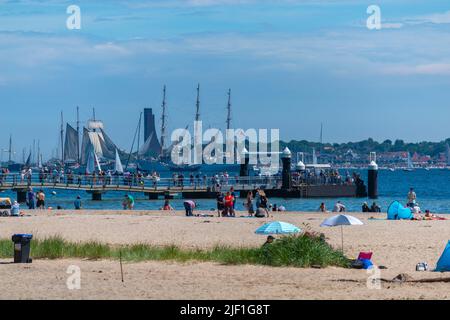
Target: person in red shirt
[(229, 204)]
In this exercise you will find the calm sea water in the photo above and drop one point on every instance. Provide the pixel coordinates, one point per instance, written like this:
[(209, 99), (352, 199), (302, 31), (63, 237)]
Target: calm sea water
[(432, 188)]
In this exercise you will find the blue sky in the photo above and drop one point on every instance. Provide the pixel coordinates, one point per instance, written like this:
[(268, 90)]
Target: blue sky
[(291, 64)]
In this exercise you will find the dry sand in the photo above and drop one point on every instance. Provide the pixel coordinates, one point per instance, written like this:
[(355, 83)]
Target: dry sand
[(398, 245)]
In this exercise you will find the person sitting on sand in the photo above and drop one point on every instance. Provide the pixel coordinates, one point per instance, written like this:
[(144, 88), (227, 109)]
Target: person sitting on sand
[(167, 206), (15, 209), (365, 207), (375, 208), (269, 241), (189, 205), (323, 208)]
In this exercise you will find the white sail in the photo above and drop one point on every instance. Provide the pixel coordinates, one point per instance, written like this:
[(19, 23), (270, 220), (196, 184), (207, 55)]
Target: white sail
[(99, 168), (90, 165), (118, 167), (410, 163)]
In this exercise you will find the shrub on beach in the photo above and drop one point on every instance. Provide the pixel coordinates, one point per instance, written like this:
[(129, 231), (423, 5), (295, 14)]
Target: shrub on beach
[(302, 251)]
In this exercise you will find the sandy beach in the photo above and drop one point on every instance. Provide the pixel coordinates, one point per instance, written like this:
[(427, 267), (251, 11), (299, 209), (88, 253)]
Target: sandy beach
[(397, 245)]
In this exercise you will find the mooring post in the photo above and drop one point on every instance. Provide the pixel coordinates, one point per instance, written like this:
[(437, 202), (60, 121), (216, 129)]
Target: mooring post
[(21, 196), (286, 158), (373, 176), (97, 196)]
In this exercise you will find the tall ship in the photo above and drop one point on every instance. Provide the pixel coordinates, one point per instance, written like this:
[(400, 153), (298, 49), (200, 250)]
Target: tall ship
[(155, 154), (95, 144)]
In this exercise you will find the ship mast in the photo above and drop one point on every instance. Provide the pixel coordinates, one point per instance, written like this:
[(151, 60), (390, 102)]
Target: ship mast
[(10, 148), (197, 115), (163, 122), (78, 135), (139, 137), (229, 110), (62, 137)]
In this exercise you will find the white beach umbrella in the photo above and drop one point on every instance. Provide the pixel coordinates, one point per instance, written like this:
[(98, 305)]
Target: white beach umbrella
[(341, 220)]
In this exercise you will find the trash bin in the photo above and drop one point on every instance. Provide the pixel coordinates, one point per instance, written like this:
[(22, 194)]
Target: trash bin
[(22, 244)]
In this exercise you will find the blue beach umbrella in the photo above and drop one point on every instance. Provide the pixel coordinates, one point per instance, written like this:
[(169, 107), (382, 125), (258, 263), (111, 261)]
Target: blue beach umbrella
[(341, 220), (278, 227)]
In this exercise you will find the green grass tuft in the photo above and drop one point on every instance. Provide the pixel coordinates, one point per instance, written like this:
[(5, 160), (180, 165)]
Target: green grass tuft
[(296, 251)]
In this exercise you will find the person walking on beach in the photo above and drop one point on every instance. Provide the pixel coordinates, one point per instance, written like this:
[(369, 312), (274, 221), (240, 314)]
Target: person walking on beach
[(189, 205), (77, 204), (412, 198), (31, 196), (40, 203)]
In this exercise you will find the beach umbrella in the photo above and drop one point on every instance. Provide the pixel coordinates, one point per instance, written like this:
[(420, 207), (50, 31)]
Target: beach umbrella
[(277, 227), (341, 220)]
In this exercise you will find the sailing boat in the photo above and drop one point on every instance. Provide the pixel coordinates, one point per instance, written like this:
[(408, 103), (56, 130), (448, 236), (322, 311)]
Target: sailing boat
[(118, 167), (410, 164), (96, 139)]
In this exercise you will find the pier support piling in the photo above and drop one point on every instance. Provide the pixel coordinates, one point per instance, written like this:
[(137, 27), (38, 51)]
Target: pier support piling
[(372, 180), (245, 162), (286, 173), (97, 196), (21, 196)]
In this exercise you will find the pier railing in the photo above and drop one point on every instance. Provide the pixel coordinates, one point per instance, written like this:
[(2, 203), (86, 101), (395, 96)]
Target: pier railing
[(136, 183), (154, 184)]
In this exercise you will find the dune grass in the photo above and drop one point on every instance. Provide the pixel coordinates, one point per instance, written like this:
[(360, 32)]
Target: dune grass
[(296, 251)]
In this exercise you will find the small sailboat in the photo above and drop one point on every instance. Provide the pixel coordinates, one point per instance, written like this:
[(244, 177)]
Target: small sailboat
[(410, 166), (118, 167)]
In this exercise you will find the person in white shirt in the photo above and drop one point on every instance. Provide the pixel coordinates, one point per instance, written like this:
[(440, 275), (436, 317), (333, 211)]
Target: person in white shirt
[(339, 207)]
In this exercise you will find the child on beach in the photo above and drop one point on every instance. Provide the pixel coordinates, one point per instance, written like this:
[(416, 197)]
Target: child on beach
[(167, 206)]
